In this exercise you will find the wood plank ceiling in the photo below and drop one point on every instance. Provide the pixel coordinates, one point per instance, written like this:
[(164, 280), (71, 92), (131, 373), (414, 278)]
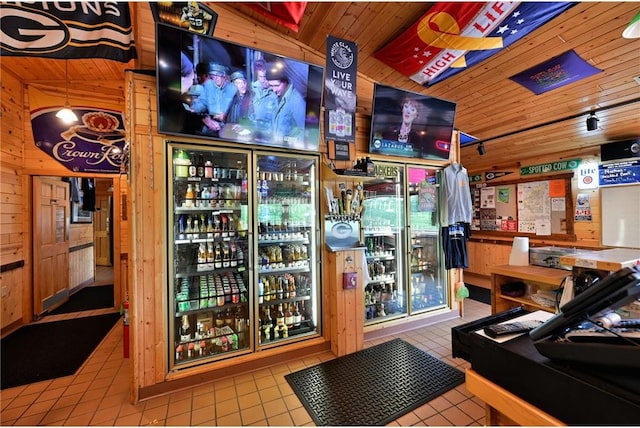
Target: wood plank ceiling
[(514, 122)]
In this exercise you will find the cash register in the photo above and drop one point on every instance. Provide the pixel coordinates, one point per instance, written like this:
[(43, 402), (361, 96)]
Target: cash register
[(587, 329)]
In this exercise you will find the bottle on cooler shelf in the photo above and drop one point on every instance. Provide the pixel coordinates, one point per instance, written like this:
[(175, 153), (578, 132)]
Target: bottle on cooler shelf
[(267, 326), (185, 329), (260, 291), (297, 317), (189, 196), (288, 316), (193, 169), (208, 169), (200, 167)]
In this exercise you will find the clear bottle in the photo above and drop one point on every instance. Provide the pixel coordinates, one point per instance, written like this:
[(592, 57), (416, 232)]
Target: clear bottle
[(260, 291), (288, 317), (267, 326), (193, 169), (208, 169), (297, 317), (279, 317), (200, 167), (185, 329), (189, 197)]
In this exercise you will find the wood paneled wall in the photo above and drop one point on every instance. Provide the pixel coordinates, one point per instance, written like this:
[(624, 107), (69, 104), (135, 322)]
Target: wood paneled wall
[(487, 250), (13, 221)]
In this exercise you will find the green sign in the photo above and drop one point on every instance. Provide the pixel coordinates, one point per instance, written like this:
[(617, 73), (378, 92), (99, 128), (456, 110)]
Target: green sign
[(545, 168)]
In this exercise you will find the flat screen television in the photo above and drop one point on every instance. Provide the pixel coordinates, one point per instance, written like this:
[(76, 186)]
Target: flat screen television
[(410, 124), (199, 82)]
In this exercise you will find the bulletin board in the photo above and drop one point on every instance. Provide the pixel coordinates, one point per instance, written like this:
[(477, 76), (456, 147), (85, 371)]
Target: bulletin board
[(526, 207), (621, 215)]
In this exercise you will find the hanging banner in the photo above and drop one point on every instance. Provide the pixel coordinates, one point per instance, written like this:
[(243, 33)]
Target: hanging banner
[(452, 36), (287, 13), (555, 73), (67, 30), (193, 16), (93, 144), (340, 90), (488, 176)]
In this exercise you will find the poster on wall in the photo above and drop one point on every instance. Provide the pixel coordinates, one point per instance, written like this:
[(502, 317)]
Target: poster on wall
[(340, 90), (193, 16), (95, 143)]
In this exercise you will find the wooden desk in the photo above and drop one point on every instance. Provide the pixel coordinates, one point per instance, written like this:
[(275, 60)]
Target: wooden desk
[(505, 408), (546, 278), (611, 260)]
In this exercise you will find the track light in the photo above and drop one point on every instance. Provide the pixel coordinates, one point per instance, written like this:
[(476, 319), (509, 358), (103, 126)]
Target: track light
[(592, 122), (481, 149), (66, 114)]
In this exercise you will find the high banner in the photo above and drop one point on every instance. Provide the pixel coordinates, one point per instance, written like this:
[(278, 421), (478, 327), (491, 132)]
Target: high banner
[(93, 144), (340, 90), (452, 36), (67, 30)]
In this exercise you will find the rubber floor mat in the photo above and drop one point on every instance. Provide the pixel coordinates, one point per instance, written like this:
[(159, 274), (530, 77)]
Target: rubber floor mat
[(374, 386)]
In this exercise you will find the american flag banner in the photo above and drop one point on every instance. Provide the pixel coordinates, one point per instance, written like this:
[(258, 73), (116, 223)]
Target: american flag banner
[(287, 13), (452, 36)]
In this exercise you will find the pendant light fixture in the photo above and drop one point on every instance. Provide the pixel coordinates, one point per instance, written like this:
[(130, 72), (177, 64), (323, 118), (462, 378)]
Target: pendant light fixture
[(66, 114)]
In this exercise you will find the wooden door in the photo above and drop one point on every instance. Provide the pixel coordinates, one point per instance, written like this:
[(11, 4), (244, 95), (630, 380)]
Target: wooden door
[(50, 243), (102, 230)]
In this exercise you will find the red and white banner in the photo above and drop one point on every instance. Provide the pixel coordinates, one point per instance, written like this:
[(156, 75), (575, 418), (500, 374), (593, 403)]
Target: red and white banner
[(454, 35), (288, 13)]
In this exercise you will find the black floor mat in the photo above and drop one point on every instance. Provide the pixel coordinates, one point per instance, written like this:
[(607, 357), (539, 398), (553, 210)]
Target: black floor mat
[(374, 386), (50, 350), (479, 294), (98, 297)]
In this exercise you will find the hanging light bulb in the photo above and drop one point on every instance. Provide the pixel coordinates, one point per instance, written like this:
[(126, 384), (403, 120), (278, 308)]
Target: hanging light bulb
[(66, 114)]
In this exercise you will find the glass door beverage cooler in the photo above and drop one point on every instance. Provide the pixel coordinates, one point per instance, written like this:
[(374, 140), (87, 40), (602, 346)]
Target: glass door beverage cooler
[(383, 226), (427, 280), (402, 239), (243, 252), (287, 248)]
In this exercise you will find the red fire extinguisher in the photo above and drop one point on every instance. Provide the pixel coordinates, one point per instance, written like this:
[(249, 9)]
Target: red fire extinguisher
[(125, 324)]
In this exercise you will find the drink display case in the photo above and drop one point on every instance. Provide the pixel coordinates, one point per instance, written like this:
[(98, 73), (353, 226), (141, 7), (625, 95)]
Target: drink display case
[(383, 226), (287, 248), (243, 265), (210, 282), (427, 280), (401, 232)]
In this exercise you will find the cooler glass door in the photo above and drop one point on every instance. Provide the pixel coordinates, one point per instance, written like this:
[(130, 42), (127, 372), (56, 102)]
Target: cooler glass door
[(427, 280), (383, 223), (209, 251), (287, 255)]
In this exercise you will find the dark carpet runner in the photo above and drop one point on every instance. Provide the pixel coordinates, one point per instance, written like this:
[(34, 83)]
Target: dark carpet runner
[(50, 350), (98, 297), (374, 386)]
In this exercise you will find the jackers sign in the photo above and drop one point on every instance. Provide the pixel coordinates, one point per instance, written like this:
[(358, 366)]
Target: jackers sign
[(96, 143)]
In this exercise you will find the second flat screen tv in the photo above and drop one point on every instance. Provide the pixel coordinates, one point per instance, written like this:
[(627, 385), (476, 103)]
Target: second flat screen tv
[(214, 89), (410, 124)]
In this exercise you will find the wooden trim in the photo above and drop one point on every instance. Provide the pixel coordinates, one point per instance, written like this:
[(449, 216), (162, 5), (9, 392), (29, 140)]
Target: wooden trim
[(11, 266), (81, 247), (501, 402), (216, 372)]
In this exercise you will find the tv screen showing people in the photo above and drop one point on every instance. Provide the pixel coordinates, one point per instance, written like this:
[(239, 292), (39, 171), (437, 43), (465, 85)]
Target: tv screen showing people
[(410, 124), (215, 89)]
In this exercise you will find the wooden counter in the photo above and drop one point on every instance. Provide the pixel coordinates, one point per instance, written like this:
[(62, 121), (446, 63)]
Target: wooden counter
[(611, 260), (547, 278), (503, 407)]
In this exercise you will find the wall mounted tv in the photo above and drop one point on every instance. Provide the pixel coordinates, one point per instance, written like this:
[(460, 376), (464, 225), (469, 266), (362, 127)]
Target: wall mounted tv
[(200, 81), (410, 124)]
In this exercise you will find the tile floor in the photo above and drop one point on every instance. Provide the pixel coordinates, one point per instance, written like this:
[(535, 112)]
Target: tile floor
[(98, 394)]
